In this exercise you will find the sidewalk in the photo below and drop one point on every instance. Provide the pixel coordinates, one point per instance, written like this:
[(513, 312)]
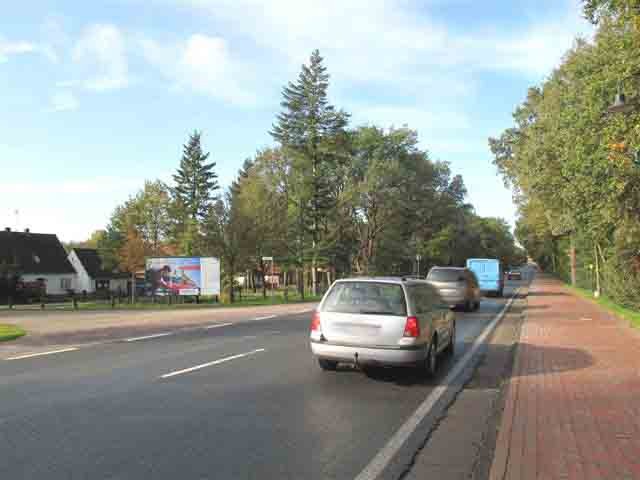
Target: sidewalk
[(573, 402)]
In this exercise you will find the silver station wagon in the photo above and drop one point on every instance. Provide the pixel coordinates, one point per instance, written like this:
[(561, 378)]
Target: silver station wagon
[(382, 321)]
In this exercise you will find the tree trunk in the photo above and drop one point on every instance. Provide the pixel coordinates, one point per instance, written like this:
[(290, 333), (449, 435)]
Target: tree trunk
[(133, 288), (314, 280), (286, 286), (572, 260), (595, 254)]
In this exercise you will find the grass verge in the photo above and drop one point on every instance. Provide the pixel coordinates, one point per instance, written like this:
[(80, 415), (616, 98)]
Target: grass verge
[(162, 303), (632, 316), (246, 301), (10, 332)]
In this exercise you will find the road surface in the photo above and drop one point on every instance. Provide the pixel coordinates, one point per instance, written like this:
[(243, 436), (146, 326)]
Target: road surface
[(239, 401)]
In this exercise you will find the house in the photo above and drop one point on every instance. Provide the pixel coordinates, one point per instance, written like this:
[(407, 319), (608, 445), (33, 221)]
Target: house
[(91, 277), (38, 257)]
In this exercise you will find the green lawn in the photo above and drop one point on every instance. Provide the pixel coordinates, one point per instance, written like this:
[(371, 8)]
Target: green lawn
[(632, 316), (10, 332), (250, 300)]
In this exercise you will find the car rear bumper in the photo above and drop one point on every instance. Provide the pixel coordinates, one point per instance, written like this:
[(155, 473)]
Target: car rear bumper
[(370, 355), (454, 299)]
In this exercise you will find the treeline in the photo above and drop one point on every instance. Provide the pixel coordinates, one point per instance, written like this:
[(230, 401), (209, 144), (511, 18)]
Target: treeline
[(327, 201), (574, 161)]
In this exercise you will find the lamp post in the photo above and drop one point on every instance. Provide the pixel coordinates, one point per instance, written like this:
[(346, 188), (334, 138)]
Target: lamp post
[(622, 105)]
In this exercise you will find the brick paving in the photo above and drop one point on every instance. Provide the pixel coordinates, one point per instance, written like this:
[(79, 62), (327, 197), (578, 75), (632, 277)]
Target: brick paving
[(573, 402)]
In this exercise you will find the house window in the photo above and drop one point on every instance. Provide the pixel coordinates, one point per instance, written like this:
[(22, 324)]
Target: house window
[(65, 283)]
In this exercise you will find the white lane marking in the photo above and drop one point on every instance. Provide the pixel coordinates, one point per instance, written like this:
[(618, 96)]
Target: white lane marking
[(303, 311), (146, 337), (377, 465), (210, 364), (51, 352), (266, 317), (217, 325)]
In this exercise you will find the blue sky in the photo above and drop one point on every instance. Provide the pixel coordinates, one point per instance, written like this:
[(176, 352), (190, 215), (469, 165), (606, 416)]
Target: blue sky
[(98, 98)]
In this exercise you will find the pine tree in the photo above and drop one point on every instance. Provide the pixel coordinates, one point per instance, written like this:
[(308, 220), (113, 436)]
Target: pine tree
[(307, 129), (196, 181), (243, 174)]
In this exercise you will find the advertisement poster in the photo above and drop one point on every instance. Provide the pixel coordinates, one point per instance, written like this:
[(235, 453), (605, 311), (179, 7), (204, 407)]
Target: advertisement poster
[(183, 275)]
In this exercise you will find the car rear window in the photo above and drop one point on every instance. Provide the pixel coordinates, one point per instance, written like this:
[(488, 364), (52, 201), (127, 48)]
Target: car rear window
[(367, 298), (446, 275)]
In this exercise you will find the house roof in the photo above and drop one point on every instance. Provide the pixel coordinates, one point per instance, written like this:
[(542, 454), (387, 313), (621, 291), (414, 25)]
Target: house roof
[(92, 263), (34, 253)]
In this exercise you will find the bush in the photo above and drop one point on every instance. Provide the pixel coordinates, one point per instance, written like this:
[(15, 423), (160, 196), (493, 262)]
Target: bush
[(621, 283)]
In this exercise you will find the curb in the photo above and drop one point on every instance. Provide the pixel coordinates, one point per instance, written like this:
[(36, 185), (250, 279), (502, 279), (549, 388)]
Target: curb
[(502, 451)]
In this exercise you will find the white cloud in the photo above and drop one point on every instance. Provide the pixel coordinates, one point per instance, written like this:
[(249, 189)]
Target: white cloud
[(101, 52), (8, 48), (201, 63), (395, 41), (64, 100)]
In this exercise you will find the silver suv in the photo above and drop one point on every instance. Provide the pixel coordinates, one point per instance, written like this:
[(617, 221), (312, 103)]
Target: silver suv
[(458, 286), (382, 321)]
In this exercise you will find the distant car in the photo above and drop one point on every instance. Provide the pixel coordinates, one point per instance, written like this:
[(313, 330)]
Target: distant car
[(514, 275), (489, 274), (458, 286), (382, 321)]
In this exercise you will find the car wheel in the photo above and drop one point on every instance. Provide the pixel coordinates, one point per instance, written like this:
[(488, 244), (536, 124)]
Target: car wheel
[(327, 364), (431, 362), (452, 341)]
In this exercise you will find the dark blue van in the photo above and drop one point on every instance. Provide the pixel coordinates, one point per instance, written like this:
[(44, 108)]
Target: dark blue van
[(489, 273)]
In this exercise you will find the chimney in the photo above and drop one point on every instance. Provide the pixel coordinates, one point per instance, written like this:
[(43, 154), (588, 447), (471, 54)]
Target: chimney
[(7, 229)]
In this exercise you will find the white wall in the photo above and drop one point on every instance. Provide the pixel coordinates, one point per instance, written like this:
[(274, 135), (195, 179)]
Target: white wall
[(83, 280), (53, 281)]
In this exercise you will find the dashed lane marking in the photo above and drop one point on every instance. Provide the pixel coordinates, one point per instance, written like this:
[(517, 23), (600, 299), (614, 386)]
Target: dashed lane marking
[(210, 364)]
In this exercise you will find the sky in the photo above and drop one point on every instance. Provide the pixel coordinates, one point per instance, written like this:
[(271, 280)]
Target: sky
[(99, 96)]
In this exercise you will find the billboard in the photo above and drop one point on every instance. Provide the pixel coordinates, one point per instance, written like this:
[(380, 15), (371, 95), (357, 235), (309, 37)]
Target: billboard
[(183, 275)]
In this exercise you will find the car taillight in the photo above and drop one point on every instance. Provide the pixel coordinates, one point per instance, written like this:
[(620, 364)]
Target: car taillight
[(412, 327), (315, 322)]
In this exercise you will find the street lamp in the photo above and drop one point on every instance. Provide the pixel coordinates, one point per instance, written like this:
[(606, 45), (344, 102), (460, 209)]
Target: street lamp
[(622, 105)]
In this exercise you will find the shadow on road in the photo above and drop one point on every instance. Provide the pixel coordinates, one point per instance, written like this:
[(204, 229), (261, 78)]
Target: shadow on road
[(548, 294), (537, 307), (557, 360)]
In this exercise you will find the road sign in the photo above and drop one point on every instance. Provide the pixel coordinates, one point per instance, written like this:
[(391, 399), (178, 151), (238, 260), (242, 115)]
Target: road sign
[(267, 259)]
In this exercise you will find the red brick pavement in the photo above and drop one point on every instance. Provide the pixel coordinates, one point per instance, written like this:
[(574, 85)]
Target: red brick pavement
[(573, 402)]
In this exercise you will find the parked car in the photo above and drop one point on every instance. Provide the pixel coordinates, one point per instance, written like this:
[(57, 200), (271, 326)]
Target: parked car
[(458, 286), (489, 274), (382, 321)]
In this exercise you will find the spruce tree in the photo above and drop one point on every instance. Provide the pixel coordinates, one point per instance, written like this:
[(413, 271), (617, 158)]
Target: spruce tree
[(196, 181), (307, 128)]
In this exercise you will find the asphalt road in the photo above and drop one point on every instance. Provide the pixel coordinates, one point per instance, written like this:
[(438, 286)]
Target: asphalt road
[(257, 406)]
